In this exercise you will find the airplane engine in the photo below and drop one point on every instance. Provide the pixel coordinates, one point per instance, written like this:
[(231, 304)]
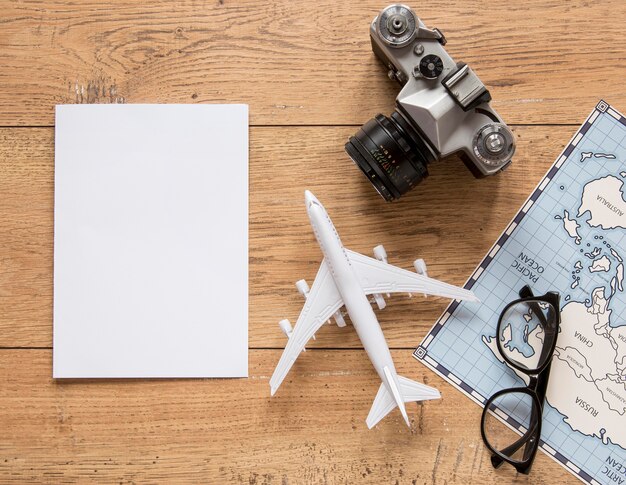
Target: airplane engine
[(339, 320), (303, 288), (420, 268), (381, 255), (285, 326)]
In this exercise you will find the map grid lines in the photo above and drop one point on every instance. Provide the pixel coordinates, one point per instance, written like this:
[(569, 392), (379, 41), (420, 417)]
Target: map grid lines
[(462, 354)]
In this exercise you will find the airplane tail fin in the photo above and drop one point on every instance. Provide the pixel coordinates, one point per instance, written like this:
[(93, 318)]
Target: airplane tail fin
[(402, 390)]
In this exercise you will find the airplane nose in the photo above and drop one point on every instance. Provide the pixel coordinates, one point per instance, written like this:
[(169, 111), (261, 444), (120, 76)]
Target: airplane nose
[(309, 198)]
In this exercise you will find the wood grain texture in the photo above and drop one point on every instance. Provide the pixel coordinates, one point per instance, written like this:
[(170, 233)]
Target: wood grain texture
[(230, 431), (450, 220), (298, 65), (300, 62)]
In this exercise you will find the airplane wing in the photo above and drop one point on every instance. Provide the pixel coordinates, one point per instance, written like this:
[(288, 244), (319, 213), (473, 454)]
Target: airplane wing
[(378, 277), (322, 302)]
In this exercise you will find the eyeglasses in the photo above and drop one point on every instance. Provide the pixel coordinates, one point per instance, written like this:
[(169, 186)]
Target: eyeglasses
[(526, 337)]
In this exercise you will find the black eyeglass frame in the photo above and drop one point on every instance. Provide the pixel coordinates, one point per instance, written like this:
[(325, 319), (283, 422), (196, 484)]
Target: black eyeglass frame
[(536, 387)]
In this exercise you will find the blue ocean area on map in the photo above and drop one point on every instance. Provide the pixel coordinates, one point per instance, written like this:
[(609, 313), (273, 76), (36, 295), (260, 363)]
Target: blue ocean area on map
[(570, 237)]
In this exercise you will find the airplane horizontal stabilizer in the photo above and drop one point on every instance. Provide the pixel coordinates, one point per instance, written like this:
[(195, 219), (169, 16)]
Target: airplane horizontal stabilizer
[(410, 391)]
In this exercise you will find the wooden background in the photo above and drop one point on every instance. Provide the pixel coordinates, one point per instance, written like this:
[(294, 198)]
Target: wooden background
[(308, 73)]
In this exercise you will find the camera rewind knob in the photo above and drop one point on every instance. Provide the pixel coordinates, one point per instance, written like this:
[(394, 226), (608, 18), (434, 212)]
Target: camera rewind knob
[(494, 144), (431, 66)]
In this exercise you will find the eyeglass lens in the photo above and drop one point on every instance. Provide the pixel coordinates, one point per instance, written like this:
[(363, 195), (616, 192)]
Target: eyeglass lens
[(522, 333), (521, 410)]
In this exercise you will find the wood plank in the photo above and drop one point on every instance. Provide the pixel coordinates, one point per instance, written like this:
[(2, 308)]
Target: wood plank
[(451, 220), (230, 431), (545, 61)]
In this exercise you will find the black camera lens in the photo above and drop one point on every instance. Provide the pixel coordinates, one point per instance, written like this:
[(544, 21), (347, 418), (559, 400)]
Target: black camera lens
[(391, 154)]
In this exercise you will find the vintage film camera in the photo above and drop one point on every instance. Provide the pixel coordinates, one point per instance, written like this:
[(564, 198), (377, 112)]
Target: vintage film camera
[(442, 109)]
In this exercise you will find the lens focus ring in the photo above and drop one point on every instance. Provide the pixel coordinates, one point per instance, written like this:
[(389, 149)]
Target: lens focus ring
[(391, 154)]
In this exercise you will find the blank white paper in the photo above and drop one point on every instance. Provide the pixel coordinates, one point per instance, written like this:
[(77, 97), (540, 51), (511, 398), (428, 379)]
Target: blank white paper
[(151, 241)]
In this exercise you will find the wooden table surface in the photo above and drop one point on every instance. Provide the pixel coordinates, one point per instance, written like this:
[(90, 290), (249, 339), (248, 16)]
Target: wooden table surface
[(307, 71)]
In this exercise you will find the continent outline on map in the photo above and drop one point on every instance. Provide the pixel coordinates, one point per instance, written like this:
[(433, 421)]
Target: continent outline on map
[(611, 283), (603, 198), (598, 309), (602, 217)]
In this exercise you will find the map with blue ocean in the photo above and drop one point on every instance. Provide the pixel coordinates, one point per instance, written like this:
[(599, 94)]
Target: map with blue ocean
[(569, 237)]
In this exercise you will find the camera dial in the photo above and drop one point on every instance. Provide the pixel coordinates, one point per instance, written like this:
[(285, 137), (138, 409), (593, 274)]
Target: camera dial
[(397, 25), (494, 144), (431, 66)]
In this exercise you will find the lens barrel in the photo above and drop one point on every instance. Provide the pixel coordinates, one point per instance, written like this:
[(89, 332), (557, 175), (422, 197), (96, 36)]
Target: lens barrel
[(391, 154)]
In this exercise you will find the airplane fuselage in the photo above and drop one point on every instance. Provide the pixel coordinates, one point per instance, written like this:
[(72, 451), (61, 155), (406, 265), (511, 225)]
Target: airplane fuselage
[(356, 302), (346, 279)]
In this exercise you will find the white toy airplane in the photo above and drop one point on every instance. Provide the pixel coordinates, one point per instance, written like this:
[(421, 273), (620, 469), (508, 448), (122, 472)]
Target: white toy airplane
[(347, 278)]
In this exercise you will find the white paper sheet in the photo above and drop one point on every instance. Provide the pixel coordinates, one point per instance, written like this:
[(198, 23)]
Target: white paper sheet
[(151, 241)]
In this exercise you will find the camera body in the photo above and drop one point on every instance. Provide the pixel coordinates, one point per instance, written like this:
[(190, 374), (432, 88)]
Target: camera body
[(442, 109)]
